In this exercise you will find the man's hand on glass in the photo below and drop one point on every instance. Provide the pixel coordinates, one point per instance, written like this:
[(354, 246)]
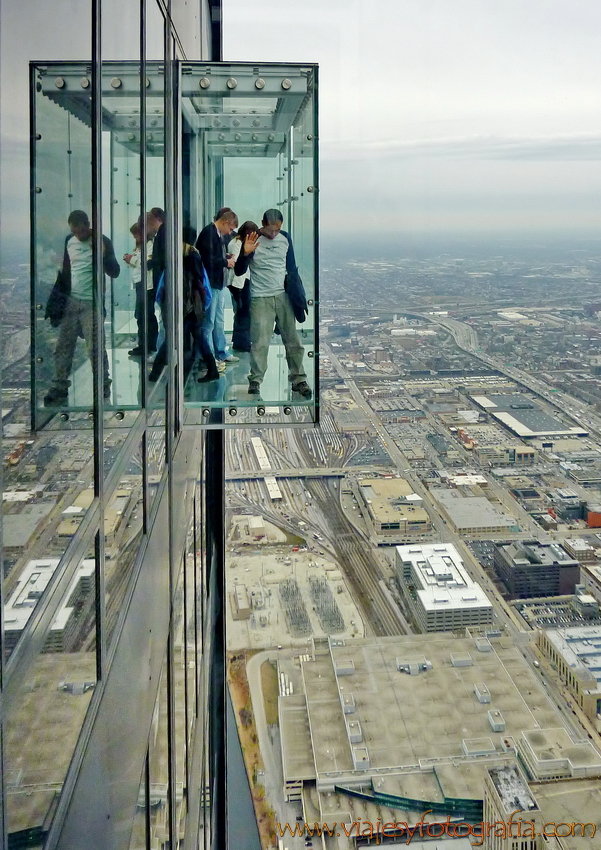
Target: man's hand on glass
[(251, 243)]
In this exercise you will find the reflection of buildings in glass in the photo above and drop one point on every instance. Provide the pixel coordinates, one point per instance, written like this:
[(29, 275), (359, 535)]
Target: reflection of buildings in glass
[(32, 583), (110, 529)]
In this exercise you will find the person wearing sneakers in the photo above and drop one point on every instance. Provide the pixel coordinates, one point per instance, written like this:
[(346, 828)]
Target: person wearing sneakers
[(211, 246), (76, 315), (277, 296)]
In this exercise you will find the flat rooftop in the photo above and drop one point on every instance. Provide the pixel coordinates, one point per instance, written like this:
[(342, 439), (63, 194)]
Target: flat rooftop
[(443, 578), (409, 722), (512, 788), (523, 416), (472, 512), (392, 499), (571, 801), (31, 586), (580, 647)]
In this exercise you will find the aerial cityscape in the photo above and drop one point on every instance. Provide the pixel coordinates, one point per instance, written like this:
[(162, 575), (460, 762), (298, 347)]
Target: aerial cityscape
[(301, 425), (443, 523)]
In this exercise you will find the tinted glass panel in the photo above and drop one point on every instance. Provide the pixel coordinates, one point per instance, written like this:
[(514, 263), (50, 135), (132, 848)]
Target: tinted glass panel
[(43, 724)]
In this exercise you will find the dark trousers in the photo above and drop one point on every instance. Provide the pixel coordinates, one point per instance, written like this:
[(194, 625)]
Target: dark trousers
[(193, 338), (241, 329), (148, 296)]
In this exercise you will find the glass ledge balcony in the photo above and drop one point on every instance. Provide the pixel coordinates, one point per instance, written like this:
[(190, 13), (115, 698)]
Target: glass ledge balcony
[(247, 139)]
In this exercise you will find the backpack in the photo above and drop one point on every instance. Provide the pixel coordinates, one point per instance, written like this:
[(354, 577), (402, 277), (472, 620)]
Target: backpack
[(194, 297)]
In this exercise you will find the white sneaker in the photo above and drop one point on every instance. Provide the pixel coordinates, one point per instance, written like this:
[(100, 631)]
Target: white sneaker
[(231, 358), (220, 365)]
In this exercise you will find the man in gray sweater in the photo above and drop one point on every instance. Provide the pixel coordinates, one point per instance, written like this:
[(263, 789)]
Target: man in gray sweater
[(276, 295)]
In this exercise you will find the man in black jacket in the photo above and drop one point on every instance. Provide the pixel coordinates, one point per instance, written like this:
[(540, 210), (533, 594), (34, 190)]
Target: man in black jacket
[(77, 317), (212, 250)]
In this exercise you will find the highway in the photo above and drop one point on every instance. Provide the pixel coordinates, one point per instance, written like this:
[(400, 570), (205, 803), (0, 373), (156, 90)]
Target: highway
[(466, 338)]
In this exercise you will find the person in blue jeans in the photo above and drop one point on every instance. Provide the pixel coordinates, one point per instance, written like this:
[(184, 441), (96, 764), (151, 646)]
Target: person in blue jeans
[(212, 251)]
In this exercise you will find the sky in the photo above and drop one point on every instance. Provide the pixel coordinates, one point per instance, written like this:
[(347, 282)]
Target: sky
[(445, 115), (436, 116)]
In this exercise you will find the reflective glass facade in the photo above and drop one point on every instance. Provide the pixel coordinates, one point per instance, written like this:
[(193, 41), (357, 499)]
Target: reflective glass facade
[(112, 626), (240, 133)]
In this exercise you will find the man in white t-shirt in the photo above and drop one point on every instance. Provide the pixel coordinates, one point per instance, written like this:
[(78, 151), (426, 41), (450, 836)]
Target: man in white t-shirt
[(78, 314)]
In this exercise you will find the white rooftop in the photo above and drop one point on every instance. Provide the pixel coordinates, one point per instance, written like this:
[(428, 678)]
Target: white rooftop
[(32, 583), (581, 648), (445, 582)]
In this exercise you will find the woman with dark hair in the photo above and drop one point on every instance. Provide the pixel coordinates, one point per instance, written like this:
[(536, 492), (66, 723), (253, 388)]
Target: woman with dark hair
[(239, 286)]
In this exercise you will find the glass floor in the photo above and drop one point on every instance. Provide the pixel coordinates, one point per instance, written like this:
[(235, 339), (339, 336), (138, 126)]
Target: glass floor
[(232, 386)]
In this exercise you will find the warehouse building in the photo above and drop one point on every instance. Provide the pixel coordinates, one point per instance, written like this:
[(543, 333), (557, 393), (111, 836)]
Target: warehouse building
[(472, 514), (344, 759), (391, 508)]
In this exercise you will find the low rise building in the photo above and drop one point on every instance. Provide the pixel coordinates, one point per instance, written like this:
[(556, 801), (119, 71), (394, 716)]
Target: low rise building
[(472, 514), (529, 569), (240, 602), (505, 791), (436, 584), (344, 759), (569, 506), (392, 509), (576, 655), (590, 576), (31, 586)]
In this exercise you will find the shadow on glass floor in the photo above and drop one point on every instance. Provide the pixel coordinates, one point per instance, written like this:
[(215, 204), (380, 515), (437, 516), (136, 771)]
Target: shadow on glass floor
[(232, 386)]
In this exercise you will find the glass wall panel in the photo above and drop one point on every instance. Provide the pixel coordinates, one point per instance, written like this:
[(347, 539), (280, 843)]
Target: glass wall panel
[(155, 454), (154, 188), (179, 696), (49, 486), (123, 530), (139, 829), (44, 722), (246, 131), (192, 584), (62, 180), (62, 120), (158, 762), (122, 89)]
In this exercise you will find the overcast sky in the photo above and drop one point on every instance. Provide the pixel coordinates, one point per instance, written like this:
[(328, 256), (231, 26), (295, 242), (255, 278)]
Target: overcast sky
[(445, 115), (436, 115)]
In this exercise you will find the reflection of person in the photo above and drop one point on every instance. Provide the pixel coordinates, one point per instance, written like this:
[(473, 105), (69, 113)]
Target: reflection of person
[(214, 259), (239, 286), (143, 293), (194, 303), (78, 315), (155, 230), (276, 295)]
